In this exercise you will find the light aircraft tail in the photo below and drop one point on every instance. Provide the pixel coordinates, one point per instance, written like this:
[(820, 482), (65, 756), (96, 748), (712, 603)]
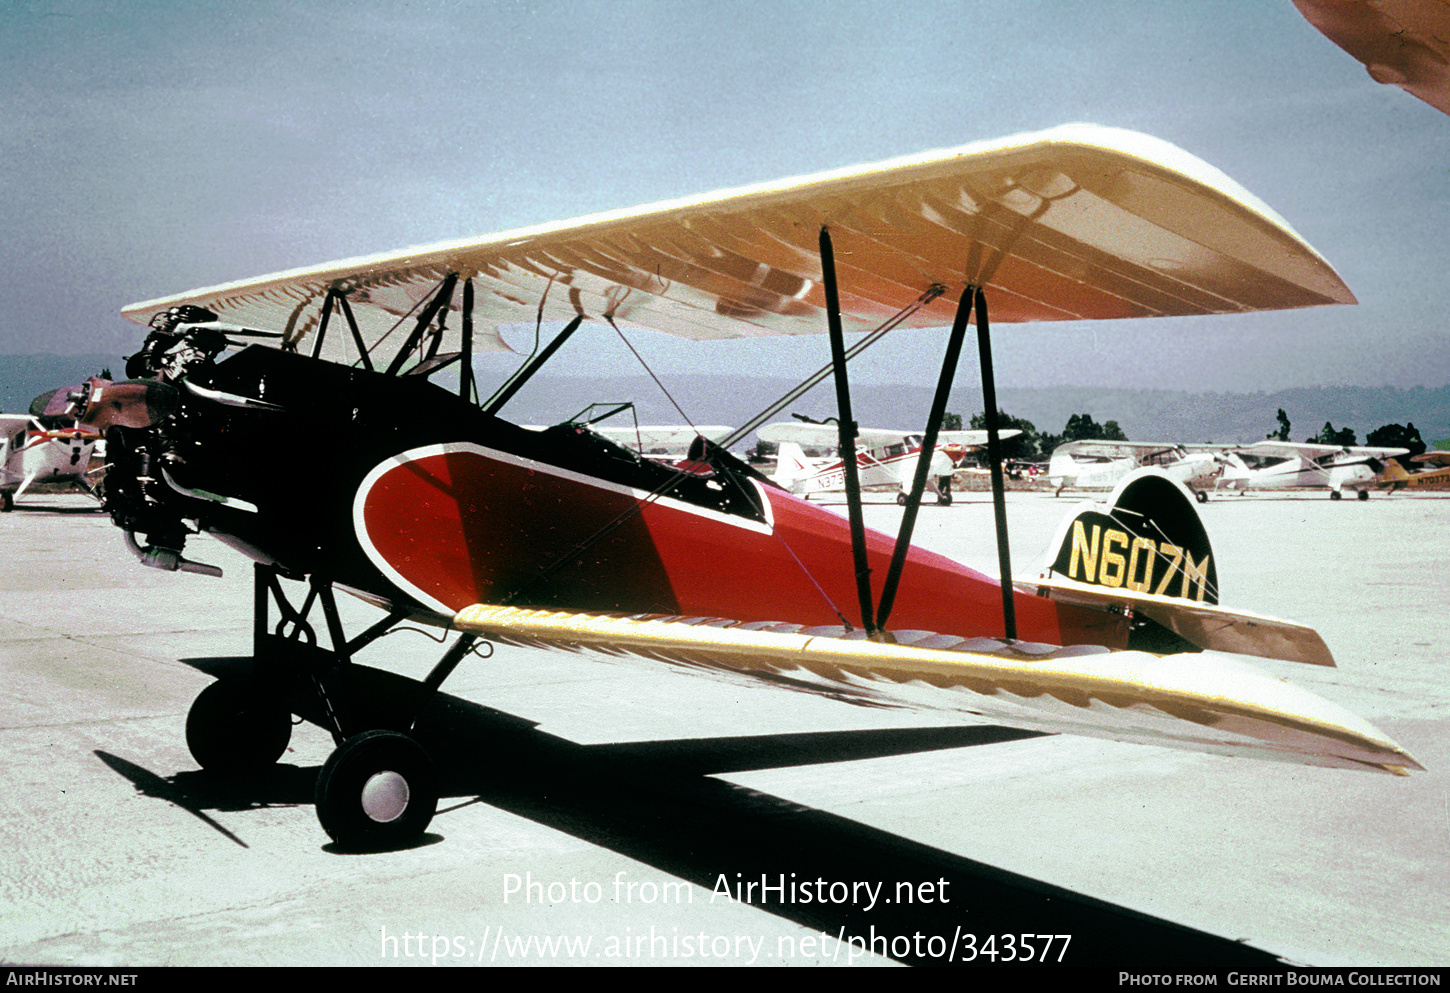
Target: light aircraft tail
[(1146, 554), (1146, 546), (1148, 538), (790, 463), (1393, 475), (1235, 472)]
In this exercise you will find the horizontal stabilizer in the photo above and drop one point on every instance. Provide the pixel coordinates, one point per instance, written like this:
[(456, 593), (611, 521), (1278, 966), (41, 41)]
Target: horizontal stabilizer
[(1205, 625), (1205, 703)]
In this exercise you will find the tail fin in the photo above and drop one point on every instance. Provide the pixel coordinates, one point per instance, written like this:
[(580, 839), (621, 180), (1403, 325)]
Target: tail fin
[(1146, 554), (1394, 474), (790, 463), (1147, 538)]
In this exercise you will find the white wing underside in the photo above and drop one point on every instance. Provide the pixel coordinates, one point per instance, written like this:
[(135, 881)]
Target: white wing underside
[(1203, 702), (1080, 222)]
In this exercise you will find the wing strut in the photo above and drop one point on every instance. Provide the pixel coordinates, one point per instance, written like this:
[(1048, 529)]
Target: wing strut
[(465, 372), (439, 301), (815, 378), (994, 458), (337, 297), (322, 322), (928, 446), (847, 429), (507, 390)]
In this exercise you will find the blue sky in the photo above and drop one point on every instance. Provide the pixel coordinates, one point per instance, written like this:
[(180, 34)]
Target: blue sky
[(152, 147)]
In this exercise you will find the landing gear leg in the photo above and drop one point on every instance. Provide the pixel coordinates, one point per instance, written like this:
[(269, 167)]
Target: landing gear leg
[(378, 790)]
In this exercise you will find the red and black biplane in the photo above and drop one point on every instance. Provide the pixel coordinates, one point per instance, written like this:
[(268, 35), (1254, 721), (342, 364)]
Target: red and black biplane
[(441, 509)]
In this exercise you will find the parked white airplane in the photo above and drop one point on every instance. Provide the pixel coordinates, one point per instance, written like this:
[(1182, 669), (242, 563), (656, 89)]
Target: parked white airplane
[(885, 456), (41, 449), (1282, 465), (1100, 465)]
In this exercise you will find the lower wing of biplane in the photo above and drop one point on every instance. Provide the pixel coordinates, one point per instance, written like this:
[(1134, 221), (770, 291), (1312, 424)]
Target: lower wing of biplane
[(437, 507), (1204, 703)]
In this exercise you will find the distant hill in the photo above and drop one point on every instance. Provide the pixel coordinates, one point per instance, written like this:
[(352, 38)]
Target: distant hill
[(24, 377), (1144, 415)]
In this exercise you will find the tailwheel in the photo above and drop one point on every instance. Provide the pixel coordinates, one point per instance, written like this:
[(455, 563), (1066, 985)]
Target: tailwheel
[(377, 792), (233, 730)]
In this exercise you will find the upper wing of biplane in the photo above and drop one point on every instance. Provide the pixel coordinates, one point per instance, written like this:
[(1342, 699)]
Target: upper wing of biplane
[(1402, 42), (1078, 222), (1434, 457)]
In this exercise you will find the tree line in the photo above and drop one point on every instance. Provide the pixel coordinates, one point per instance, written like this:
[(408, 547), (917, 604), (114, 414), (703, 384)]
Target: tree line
[(1037, 446), (1387, 436)]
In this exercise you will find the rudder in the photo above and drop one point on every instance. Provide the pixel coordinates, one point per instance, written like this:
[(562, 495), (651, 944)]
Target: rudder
[(1148, 538)]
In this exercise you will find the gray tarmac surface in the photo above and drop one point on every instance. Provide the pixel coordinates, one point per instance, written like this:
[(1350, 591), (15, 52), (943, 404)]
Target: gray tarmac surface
[(628, 794)]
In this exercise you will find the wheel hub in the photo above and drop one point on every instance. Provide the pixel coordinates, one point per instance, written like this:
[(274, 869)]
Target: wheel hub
[(385, 797)]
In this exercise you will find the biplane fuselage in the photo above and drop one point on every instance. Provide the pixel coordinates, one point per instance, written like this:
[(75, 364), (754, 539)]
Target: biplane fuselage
[(435, 505)]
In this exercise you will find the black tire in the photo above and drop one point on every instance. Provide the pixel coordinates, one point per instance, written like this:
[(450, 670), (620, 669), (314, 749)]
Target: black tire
[(901, 498), (1364, 494), (377, 792), (1335, 495), (7, 502), (1201, 496), (234, 730)]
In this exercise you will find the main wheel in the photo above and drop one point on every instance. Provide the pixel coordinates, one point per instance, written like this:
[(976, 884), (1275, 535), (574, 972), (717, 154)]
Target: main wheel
[(376, 792), (7, 502), (900, 498), (232, 729), (1364, 494), (1335, 494), (1201, 496)]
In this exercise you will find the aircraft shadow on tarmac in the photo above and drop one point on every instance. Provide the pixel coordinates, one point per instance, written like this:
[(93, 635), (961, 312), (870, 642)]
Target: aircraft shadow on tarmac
[(56, 510), (657, 802)]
